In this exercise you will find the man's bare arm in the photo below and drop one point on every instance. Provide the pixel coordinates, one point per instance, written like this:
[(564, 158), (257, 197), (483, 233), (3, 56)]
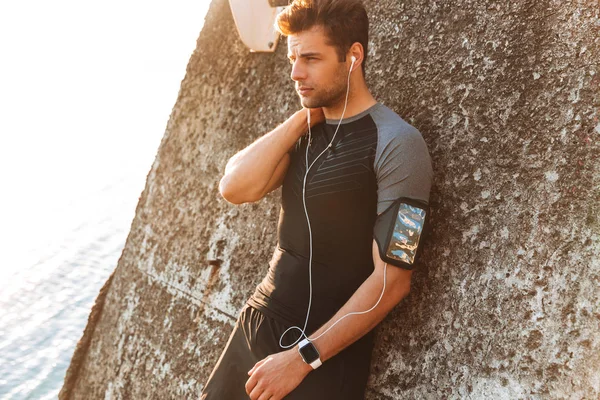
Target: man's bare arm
[(353, 327), (260, 168)]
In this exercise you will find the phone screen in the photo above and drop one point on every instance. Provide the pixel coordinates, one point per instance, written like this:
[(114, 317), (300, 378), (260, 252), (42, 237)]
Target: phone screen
[(406, 234)]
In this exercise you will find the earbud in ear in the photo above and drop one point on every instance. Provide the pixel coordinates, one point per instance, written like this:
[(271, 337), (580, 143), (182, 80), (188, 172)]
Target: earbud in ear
[(353, 59)]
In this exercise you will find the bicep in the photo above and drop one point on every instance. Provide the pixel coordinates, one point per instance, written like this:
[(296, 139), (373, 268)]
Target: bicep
[(397, 279)]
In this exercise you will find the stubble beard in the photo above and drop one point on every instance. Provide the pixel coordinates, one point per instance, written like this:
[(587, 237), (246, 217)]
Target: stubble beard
[(329, 96)]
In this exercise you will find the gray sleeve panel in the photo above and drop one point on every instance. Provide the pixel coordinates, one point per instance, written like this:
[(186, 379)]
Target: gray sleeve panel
[(402, 162)]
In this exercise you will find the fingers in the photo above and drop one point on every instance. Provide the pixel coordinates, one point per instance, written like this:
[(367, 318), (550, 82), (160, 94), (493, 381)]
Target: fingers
[(251, 384), (258, 364), (265, 396), (257, 387), (258, 393)]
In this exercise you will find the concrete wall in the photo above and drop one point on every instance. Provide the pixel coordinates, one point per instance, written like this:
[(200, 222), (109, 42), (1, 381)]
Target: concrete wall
[(507, 303)]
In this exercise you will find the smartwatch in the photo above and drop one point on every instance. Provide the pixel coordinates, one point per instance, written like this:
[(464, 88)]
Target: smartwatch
[(309, 353)]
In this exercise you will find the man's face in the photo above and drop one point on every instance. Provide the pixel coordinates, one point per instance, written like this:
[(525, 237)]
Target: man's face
[(320, 78)]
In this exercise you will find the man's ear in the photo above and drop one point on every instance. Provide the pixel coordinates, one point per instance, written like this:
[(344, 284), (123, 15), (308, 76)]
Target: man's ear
[(357, 51)]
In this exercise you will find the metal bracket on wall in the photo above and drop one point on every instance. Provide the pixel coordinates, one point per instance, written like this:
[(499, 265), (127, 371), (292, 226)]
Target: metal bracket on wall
[(254, 20)]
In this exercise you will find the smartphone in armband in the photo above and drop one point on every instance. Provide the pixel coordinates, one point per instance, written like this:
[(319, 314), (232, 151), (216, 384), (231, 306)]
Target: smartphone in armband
[(398, 232)]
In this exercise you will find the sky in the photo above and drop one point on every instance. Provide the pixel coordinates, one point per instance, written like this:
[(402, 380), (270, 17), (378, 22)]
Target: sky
[(84, 87)]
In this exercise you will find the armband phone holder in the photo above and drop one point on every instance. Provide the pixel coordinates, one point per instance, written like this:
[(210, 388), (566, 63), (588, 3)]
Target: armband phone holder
[(398, 232)]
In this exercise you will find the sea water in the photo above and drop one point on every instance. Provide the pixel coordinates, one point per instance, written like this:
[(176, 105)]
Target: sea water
[(86, 90)]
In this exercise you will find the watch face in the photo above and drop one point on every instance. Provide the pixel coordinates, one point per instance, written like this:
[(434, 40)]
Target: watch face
[(309, 353)]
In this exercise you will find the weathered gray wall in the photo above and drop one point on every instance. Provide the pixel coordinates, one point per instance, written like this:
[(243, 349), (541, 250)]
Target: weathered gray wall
[(507, 303)]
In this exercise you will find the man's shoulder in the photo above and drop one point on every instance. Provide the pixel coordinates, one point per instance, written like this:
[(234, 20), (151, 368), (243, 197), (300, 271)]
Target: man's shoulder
[(391, 127)]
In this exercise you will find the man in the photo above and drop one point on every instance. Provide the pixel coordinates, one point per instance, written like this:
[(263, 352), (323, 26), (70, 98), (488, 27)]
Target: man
[(362, 157)]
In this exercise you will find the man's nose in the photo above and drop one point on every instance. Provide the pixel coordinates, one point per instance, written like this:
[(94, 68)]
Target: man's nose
[(298, 71)]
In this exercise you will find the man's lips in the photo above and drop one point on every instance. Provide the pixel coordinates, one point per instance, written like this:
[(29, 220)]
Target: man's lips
[(304, 90)]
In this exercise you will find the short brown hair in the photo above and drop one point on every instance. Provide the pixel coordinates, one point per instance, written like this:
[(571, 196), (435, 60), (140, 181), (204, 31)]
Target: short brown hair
[(344, 21)]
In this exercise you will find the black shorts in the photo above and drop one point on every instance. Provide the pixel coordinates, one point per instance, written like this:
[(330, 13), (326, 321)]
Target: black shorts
[(255, 336)]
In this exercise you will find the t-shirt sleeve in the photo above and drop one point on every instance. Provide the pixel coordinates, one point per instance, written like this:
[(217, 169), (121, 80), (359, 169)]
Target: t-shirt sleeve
[(402, 164)]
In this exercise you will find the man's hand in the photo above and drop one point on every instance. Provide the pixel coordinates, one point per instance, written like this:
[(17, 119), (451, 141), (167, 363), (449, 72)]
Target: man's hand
[(316, 116), (275, 376)]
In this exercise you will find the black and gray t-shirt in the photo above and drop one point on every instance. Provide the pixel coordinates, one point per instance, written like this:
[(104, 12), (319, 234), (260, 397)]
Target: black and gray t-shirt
[(376, 158)]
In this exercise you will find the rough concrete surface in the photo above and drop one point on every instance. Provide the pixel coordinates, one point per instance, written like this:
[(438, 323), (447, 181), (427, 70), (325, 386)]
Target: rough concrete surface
[(507, 302)]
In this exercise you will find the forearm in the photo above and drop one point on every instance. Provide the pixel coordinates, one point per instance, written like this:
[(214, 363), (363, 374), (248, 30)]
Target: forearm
[(283, 371), (249, 171), (353, 327)]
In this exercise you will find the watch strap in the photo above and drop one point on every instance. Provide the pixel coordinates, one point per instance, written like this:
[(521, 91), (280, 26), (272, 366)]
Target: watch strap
[(316, 364)]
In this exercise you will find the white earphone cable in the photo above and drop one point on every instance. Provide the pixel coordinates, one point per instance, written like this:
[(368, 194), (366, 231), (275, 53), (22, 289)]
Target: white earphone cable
[(303, 330), (358, 312)]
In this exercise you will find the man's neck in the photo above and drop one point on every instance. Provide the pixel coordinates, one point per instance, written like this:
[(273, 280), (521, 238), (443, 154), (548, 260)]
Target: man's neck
[(358, 101)]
